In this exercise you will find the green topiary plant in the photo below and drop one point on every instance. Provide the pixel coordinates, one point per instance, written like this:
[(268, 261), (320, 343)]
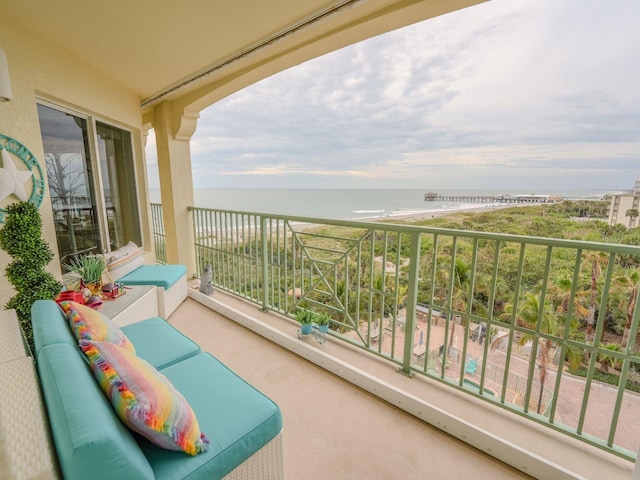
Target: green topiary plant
[(21, 238)]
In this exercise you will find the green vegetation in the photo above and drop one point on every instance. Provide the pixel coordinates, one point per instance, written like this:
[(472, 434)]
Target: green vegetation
[(360, 277), (552, 221), (21, 238), (610, 378), (88, 267), (305, 317)]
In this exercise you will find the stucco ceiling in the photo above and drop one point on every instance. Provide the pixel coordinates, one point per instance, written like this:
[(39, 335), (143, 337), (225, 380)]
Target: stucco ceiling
[(163, 49)]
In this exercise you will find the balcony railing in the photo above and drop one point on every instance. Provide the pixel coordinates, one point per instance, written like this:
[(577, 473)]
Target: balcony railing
[(157, 225), (545, 328)]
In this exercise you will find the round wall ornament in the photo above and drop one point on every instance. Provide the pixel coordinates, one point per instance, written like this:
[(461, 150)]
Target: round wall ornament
[(14, 180)]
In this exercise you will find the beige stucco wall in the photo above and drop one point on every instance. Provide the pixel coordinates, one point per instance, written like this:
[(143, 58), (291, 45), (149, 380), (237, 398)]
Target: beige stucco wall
[(40, 70)]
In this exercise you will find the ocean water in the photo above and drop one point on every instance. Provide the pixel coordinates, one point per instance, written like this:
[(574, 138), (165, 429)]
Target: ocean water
[(347, 204)]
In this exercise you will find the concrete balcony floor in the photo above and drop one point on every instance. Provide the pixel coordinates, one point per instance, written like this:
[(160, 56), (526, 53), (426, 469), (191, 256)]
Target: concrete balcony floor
[(333, 429)]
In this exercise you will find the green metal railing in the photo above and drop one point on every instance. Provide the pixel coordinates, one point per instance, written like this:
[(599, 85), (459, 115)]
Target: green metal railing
[(157, 226), (516, 321)]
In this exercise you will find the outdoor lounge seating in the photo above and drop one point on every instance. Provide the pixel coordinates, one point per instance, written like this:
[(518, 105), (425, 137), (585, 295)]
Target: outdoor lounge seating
[(171, 281), (471, 366), (126, 265), (243, 426)]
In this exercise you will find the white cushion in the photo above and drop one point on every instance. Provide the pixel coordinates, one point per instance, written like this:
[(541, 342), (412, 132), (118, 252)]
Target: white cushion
[(124, 260)]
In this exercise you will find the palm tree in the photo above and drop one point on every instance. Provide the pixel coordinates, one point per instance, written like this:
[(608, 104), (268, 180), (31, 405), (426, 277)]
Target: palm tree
[(561, 290), (607, 361), (527, 317), (629, 281), (460, 294), (596, 259), (632, 213)]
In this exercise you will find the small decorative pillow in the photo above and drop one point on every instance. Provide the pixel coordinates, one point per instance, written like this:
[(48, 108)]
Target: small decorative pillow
[(89, 324), (124, 260), (144, 399)]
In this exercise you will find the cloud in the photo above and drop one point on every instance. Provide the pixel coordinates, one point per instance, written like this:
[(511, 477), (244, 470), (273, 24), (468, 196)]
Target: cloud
[(506, 93)]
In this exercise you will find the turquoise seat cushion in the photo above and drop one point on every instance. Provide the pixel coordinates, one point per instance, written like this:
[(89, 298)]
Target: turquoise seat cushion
[(86, 431), (50, 325), (238, 420), (159, 343), (159, 275)]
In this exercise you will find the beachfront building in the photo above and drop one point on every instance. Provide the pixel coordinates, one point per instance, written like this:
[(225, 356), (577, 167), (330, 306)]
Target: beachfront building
[(625, 206), (80, 88)]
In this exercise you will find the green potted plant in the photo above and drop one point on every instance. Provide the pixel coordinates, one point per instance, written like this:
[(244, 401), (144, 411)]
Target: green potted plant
[(21, 238), (305, 317), (323, 322), (89, 268)]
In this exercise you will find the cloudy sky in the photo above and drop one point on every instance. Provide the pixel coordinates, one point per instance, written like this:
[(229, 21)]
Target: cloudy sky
[(531, 94)]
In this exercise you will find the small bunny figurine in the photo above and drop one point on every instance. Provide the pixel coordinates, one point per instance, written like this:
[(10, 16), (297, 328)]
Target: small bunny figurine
[(206, 286)]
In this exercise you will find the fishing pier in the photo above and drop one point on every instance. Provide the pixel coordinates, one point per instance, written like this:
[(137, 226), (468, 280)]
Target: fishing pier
[(436, 197)]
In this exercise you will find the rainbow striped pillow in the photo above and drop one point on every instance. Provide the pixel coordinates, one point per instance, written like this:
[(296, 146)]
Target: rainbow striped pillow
[(89, 324), (144, 399)]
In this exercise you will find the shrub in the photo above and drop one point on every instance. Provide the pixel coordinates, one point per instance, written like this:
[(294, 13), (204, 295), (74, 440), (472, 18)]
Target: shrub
[(21, 238)]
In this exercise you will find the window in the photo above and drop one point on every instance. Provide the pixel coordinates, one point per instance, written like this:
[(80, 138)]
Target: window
[(89, 219)]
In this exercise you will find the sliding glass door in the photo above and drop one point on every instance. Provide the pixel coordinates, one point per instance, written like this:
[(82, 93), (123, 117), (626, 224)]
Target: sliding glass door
[(91, 181), (118, 185)]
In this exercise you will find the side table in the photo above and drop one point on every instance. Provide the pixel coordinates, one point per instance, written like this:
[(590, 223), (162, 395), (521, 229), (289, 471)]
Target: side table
[(138, 303)]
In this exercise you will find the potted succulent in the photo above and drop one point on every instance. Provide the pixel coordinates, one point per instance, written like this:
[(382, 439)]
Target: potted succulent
[(89, 268), (323, 322), (305, 317)]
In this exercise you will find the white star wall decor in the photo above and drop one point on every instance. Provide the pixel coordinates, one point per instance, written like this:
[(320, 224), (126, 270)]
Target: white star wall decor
[(28, 185), (12, 180)]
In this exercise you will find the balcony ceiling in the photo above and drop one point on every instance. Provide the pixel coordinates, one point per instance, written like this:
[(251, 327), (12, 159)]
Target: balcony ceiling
[(167, 49)]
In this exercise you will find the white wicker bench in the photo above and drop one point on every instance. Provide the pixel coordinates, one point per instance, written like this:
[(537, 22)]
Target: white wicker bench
[(26, 450)]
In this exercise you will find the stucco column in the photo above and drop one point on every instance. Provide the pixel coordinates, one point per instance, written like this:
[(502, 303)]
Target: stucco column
[(173, 135)]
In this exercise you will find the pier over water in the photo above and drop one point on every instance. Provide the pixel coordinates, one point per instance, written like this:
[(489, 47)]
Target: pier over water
[(436, 197)]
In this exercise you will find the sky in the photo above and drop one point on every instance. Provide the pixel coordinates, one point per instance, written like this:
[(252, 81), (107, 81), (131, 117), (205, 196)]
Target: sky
[(509, 94)]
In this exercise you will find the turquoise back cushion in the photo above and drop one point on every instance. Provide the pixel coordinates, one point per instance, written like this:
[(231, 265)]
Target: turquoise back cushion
[(50, 325), (90, 440)]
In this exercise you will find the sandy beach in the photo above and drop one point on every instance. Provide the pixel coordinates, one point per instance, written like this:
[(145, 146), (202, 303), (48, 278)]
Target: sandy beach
[(446, 213)]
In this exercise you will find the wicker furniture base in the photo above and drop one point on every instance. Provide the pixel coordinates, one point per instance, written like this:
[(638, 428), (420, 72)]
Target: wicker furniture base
[(265, 464)]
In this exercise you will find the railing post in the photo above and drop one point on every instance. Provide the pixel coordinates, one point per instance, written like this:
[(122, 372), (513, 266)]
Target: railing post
[(412, 297), (265, 262)]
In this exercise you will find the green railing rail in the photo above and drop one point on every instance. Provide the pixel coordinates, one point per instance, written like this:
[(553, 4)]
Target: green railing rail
[(529, 324), (157, 230)]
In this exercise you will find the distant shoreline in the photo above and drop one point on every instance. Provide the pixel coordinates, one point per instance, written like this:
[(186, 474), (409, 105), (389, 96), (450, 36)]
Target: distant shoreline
[(444, 213)]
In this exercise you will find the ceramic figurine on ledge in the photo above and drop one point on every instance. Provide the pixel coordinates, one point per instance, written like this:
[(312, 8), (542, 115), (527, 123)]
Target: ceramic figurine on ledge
[(206, 286)]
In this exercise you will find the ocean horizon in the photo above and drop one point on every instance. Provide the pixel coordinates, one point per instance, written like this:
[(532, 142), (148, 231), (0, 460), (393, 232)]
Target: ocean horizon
[(353, 204)]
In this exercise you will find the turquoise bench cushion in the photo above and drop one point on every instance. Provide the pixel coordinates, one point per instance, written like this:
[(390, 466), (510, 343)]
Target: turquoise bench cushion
[(50, 325), (86, 431), (159, 343), (237, 419), (159, 275)]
